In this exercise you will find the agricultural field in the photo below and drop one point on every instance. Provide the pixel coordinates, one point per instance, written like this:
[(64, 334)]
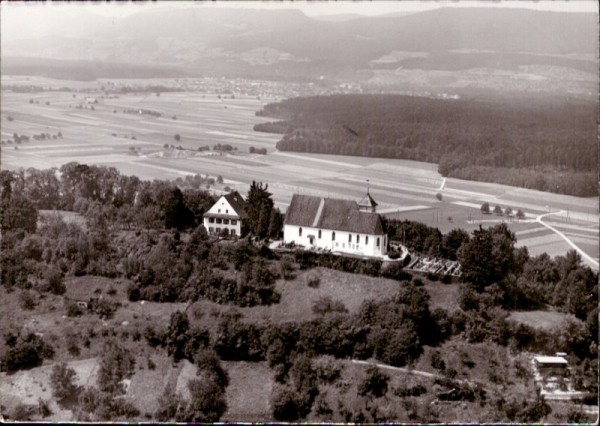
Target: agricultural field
[(134, 143)]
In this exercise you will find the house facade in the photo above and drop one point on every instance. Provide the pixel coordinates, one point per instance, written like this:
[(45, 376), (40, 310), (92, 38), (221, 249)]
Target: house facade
[(334, 225), (225, 217), (548, 366)]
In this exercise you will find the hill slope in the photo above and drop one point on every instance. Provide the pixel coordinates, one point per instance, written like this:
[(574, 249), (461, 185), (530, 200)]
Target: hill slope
[(265, 43)]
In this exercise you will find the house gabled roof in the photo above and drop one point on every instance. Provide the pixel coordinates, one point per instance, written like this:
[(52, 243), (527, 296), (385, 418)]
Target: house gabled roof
[(236, 201), (333, 214), (551, 360)]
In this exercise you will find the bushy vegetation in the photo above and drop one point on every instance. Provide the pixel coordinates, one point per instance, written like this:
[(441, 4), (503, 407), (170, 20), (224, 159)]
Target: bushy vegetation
[(426, 239), (24, 351), (107, 401), (166, 262), (505, 141), (126, 234)]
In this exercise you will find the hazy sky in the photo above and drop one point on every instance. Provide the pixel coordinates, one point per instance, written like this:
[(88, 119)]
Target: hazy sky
[(311, 8), (315, 8), (35, 19)]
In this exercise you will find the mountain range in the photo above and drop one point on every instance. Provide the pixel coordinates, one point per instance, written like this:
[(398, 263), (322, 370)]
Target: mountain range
[(276, 43)]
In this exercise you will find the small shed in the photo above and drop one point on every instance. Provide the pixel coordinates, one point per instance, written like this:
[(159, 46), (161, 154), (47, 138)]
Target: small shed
[(551, 365)]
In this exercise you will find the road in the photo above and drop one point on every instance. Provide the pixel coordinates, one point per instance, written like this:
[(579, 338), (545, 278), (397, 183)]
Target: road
[(583, 254)]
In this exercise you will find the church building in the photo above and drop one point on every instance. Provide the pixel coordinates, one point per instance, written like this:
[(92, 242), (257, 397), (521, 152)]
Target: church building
[(334, 225)]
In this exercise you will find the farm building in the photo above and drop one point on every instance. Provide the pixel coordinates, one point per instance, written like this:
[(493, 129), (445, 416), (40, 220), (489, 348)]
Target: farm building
[(226, 215), (335, 225), (548, 366)]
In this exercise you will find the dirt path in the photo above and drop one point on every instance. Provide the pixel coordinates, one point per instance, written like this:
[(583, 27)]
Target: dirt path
[(408, 371)]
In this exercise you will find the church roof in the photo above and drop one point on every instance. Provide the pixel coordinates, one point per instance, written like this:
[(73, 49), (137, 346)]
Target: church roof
[(333, 214), (367, 201)]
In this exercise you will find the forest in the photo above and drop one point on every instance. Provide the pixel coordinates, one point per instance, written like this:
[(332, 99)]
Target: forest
[(547, 144), (150, 234)]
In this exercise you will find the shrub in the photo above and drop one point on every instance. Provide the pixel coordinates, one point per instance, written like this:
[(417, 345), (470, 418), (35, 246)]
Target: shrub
[(62, 381), (26, 300), (437, 362), (73, 310), (287, 269), (432, 277), (133, 293), (312, 280), (44, 408), (117, 363), (447, 279), (208, 362), (396, 272), (393, 254), (23, 412), (54, 279), (207, 402), (325, 305), (151, 365), (25, 352), (375, 383), (416, 390), (328, 371), (169, 404), (285, 404)]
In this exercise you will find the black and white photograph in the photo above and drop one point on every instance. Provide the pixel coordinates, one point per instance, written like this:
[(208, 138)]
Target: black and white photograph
[(299, 211)]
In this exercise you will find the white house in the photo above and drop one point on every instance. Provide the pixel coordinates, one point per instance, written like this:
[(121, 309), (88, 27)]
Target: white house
[(335, 225), (226, 215)]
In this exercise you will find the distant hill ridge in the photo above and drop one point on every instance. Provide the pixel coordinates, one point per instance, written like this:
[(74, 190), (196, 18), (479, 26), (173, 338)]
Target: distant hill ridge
[(215, 40)]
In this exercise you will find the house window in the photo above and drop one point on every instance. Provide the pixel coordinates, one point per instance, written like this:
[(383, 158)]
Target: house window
[(233, 222), (319, 234), (226, 221), (219, 220), (211, 230), (300, 232), (366, 240), (219, 211), (337, 244), (333, 236), (211, 219), (232, 232), (377, 241), (357, 239), (226, 211), (349, 238)]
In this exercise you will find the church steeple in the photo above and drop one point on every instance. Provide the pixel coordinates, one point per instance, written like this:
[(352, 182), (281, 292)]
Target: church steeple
[(367, 203)]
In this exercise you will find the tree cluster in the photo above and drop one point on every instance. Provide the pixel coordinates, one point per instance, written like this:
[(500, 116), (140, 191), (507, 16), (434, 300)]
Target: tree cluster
[(426, 239), (504, 141), (107, 401), (264, 221), (24, 351)]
